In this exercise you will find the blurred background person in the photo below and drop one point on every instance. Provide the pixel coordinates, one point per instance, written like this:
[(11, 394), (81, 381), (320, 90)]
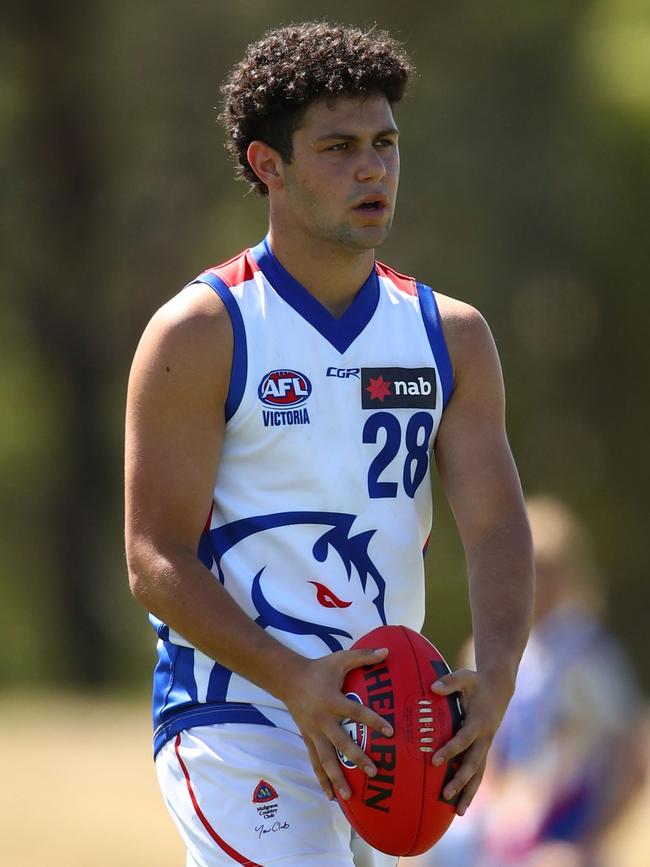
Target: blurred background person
[(568, 758)]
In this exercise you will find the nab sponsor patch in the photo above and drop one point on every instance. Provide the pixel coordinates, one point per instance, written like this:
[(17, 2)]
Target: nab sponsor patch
[(358, 732), (398, 387), (284, 392)]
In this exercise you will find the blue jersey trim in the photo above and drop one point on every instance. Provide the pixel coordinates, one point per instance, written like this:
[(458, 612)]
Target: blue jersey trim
[(207, 715), (239, 353), (162, 630), (341, 332), (433, 326)]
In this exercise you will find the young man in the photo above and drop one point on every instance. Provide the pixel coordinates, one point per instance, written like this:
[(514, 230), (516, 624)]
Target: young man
[(282, 411)]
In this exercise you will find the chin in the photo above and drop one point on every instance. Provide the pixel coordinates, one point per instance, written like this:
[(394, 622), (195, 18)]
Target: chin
[(374, 238), (355, 238), (368, 238)]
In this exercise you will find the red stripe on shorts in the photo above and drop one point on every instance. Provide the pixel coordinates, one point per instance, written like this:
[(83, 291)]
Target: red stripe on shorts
[(236, 856)]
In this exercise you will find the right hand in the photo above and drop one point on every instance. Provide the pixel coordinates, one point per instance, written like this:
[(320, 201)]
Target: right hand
[(318, 706)]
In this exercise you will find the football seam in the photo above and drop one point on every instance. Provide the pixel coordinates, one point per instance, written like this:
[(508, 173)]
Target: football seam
[(424, 779)]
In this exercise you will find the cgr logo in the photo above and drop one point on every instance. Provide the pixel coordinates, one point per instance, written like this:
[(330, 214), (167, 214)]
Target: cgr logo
[(284, 389), (343, 372)]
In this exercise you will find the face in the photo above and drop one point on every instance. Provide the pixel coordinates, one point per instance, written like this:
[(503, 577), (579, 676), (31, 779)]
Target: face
[(342, 181)]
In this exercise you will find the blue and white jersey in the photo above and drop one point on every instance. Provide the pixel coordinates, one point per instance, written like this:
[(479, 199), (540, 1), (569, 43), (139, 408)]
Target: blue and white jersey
[(322, 502)]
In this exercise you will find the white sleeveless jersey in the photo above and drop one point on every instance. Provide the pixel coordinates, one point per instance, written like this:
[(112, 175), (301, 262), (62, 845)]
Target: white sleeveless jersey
[(322, 503)]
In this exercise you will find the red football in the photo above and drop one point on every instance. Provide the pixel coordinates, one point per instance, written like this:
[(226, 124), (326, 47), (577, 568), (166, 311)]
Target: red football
[(401, 811)]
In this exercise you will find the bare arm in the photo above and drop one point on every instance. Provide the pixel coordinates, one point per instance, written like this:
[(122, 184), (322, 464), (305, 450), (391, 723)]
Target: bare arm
[(174, 432), (481, 483)]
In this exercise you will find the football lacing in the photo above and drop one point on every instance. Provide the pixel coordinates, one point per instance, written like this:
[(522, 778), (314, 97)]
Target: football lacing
[(423, 718)]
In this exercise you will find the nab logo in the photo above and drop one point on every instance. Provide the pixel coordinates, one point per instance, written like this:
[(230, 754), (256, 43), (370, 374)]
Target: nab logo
[(398, 387), (284, 389), (358, 732)]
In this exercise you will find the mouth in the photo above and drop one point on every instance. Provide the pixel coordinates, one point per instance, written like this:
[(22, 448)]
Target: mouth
[(377, 204)]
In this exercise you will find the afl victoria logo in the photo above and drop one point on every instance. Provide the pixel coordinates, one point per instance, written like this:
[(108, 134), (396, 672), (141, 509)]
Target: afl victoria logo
[(284, 389)]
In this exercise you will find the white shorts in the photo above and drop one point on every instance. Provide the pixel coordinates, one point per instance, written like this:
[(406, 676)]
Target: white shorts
[(247, 794)]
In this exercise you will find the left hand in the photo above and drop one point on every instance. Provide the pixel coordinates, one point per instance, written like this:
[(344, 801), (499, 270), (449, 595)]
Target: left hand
[(484, 701)]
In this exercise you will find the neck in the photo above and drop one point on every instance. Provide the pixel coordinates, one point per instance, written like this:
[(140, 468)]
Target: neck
[(332, 273)]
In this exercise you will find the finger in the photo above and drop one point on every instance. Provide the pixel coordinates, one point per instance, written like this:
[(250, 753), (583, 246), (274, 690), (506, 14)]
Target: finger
[(342, 741), (467, 795), (461, 742), (361, 656), (457, 681), (332, 767), (362, 714), (319, 770), (473, 763)]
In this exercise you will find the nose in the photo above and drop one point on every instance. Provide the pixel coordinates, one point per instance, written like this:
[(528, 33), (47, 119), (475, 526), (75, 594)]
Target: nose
[(372, 166)]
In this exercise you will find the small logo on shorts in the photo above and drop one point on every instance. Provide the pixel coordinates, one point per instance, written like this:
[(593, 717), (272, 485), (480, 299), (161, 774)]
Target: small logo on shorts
[(264, 792), (262, 796)]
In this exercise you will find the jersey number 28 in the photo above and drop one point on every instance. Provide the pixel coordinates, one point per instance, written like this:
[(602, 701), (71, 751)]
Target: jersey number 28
[(416, 439)]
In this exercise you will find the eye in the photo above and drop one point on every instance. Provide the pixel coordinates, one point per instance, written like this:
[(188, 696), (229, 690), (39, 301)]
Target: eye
[(339, 146), (385, 143)]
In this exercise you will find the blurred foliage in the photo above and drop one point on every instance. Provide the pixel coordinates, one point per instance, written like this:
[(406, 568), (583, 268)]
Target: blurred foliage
[(524, 191)]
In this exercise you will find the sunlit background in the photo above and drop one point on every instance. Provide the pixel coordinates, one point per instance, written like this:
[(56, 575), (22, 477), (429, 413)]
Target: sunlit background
[(525, 191)]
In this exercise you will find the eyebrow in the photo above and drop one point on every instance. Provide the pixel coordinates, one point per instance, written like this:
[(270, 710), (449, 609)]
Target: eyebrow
[(346, 136)]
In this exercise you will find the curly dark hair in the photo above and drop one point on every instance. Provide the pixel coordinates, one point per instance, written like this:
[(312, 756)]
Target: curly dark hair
[(268, 92)]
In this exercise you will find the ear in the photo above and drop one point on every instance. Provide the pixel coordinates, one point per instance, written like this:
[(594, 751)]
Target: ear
[(266, 162)]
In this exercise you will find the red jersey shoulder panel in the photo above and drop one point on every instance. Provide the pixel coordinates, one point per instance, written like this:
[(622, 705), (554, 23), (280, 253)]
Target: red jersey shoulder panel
[(402, 281), (235, 271)]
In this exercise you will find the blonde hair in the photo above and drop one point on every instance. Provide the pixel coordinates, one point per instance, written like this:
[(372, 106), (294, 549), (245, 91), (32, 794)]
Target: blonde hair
[(562, 541)]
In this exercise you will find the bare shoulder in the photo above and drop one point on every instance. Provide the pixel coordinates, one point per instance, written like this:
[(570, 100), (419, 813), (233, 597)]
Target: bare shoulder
[(196, 315), (177, 393), (189, 339), (467, 334)]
